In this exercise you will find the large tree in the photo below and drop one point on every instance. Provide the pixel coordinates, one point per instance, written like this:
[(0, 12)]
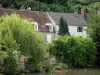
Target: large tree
[(63, 27), (17, 34), (52, 5), (93, 30), (8, 3)]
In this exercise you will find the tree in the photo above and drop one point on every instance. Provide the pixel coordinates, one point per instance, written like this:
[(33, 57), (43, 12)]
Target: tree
[(22, 36), (11, 48), (93, 30), (12, 6), (63, 27), (57, 5), (74, 51)]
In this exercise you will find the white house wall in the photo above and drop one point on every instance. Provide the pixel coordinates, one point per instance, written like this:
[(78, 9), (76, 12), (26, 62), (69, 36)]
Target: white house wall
[(48, 36), (73, 31)]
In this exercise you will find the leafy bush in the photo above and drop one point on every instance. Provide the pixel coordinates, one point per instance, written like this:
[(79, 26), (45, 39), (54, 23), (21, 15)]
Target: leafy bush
[(60, 65), (73, 51), (9, 49), (17, 34), (93, 30), (12, 66)]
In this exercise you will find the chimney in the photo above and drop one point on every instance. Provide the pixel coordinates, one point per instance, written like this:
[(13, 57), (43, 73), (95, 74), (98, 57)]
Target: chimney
[(82, 12), (98, 11)]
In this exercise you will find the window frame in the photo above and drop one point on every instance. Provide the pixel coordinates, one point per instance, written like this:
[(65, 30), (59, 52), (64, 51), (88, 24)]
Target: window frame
[(80, 29), (50, 26), (35, 25)]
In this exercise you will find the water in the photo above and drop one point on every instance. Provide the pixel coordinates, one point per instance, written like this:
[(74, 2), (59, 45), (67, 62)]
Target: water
[(71, 72)]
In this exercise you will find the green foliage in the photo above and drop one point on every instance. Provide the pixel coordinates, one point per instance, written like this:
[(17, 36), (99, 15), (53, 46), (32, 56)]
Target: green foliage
[(84, 1), (12, 66), (93, 31), (12, 6), (95, 5), (57, 8), (93, 28), (63, 27), (51, 5), (75, 51), (3, 54), (31, 3), (44, 7), (9, 49), (76, 7), (60, 65), (17, 34)]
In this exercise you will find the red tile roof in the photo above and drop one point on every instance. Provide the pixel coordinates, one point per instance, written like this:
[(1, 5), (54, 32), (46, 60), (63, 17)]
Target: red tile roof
[(34, 16)]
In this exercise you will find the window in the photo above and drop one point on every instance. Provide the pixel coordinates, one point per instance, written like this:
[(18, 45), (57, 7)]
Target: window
[(50, 26), (79, 29), (35, 27)]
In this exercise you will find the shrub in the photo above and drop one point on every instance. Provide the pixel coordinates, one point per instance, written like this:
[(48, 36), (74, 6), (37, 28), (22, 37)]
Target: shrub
[(73, 51), (17, 34), (12, 66)]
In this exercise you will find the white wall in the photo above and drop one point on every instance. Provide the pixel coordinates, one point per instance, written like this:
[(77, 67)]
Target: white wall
[(73, 31), (48, 36)]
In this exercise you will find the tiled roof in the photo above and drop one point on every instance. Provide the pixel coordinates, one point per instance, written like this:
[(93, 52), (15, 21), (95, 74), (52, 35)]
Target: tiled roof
[(34, 16), (69, 17)]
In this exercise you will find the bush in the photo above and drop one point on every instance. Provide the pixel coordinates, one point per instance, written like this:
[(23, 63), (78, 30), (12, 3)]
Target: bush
[(73, 51), (22, 38), (93, 30), (12, 66)]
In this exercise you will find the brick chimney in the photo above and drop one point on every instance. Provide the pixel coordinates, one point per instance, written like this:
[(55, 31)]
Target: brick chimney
[(82, 12), (98, 11)]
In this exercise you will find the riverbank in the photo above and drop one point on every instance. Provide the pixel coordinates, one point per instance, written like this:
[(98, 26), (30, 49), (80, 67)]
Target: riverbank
[(69, 72)]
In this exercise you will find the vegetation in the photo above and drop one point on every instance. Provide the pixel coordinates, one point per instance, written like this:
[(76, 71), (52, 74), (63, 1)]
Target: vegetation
[(17, 37), (53, 5), (93, 30), (63, 27), (74, 51), (12, 65), (11, 48)]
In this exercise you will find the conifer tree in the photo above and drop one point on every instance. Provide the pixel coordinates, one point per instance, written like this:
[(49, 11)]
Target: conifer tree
[(63, 27)]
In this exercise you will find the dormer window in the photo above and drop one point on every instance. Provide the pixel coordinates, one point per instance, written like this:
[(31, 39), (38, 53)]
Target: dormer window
[(50, 26), (35, 25)]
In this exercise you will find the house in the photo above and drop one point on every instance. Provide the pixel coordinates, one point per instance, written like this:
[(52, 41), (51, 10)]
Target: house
[(76, 22), (42, 22), (47, 23)]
